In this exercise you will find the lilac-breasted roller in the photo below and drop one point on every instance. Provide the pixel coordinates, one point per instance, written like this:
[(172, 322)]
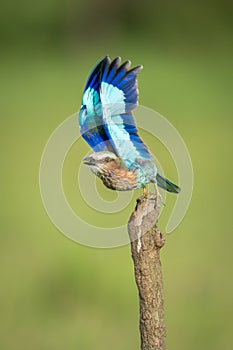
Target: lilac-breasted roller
[(120, 159)]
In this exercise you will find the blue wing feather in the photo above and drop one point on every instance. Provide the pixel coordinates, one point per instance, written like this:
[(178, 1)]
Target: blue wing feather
[(124, 137), (122, 79), (95, 74), (90, 115), (119, 96), (109, 74), (106, 121)]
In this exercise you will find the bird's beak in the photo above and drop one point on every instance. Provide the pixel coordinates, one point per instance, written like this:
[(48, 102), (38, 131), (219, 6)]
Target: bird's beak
[(89, 161)]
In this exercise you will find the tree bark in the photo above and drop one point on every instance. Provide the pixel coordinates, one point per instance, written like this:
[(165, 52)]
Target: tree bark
[(146, 242)]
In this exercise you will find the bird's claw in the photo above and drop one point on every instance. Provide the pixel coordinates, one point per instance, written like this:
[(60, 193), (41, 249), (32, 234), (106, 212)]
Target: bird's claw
[(145, 192), (146, 195)]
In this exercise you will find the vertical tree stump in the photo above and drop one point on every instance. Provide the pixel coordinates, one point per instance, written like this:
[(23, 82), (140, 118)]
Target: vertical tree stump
[(146, 242)]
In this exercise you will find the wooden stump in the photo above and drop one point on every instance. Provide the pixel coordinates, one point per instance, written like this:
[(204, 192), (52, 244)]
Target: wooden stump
[(146, 242)]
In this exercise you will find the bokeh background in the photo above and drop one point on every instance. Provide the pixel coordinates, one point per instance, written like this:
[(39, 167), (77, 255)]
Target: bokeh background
[(55, 293)]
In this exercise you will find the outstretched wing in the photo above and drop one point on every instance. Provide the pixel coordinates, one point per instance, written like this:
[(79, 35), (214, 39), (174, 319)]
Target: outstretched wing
[(105, 118), (90, 115), (119, 96)]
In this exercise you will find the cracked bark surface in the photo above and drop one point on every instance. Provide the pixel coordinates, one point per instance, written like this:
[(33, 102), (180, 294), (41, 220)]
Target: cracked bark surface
[(146, 242)]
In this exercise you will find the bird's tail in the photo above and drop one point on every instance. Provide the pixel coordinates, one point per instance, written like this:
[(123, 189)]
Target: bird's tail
[(167, 185)]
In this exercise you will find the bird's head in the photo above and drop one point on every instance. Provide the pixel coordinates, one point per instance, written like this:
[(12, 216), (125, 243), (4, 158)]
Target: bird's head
[(100, 162)]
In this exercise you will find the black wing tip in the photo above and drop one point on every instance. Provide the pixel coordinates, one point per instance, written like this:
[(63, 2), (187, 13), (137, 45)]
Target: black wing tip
[(136, 69), (115, 63), (106, 59), (125, 65), (139, 67)]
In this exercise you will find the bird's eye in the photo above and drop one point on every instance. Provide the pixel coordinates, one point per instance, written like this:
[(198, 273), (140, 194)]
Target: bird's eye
[(107, 159)]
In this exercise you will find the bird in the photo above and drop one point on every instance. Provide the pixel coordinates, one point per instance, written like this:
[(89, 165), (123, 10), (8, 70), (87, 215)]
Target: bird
[(120, 159)]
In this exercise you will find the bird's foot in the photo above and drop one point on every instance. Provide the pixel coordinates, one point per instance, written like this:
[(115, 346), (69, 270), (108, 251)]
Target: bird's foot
[(148, 196), (145, 192)]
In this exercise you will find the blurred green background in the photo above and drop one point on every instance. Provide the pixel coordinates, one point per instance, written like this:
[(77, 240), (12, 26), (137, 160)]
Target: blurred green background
[(57, 294)]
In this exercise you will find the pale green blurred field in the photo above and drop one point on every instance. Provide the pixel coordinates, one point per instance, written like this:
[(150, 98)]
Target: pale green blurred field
[(56, 294)]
